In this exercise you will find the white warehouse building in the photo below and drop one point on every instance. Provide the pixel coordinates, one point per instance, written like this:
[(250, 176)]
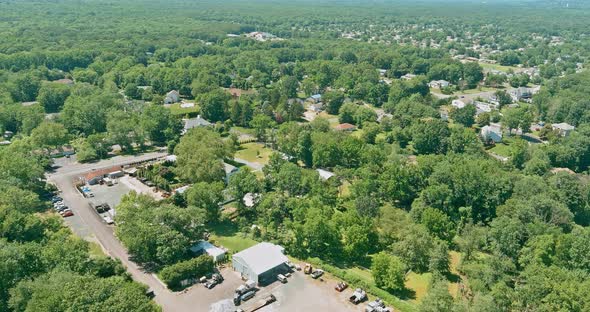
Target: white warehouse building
[(260, 263)]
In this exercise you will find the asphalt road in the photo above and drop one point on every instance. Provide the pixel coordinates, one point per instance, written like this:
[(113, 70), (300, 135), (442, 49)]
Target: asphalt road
[(93, 225)]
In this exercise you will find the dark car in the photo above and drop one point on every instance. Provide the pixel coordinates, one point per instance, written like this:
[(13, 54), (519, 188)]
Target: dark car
[(237, 299), (210, 284), (150, 294), (317, 273), (56, 199), (217, 277), (247, 296)]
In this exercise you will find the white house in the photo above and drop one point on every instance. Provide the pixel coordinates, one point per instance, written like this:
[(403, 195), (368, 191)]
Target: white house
[(458, 104), (564, 129), (260, 263), (172, 97), (491, 133), (438, 84)]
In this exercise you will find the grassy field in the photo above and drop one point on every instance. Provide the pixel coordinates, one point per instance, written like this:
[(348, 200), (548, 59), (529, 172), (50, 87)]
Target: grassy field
[(176, 110), (497, 67), (228, 236), (254, 152), (95, 250), (418, 284), (476, 90)]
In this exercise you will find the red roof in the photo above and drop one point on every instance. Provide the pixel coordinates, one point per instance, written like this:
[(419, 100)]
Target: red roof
[(345, 127), (100, 173)]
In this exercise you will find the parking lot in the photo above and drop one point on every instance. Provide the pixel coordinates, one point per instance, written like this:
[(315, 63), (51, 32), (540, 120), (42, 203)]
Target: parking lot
[(300, 293)]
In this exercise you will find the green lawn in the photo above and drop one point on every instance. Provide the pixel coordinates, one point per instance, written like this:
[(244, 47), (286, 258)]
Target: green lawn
[(497, 67), (503, 148), (476, 90), (227, 235), (254, 152), (418, 284), (95, 250), (176, 110)]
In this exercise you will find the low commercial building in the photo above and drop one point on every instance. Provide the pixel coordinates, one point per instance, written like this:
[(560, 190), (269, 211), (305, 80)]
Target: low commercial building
[(260, 263)]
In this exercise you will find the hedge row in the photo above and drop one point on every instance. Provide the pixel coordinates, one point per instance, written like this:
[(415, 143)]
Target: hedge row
[(370, 288), (194, 268)]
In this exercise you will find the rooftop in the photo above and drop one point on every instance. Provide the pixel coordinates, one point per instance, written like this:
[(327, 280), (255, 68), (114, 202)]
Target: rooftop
[(209, 248), (263, 257)]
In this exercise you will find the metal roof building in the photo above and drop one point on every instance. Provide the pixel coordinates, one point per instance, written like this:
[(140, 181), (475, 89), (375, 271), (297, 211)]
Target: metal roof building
[(260, 263)]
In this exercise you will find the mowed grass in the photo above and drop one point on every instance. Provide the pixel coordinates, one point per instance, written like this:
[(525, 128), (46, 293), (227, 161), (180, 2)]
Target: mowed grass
[(497, 67), (176, 110), (228, 236), (95, 250), (235, 243), (502, 149), (419, 284), (254, 152)]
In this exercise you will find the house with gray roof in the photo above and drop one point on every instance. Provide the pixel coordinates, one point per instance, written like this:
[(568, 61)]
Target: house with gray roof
[(196, 122)]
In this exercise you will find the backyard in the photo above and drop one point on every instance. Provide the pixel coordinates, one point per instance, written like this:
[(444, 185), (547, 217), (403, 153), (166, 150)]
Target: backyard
[(254, 152), (177, 110)]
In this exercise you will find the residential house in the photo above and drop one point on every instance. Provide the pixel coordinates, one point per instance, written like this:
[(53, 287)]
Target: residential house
[(316, 98), (65, 81), (172, 97), (438, 84), (491, 133), (382, 72), (317, 107), (458, 104), (482, 107), (408, 77), (564, 129), (521, 94), (196, 122), (345, 127)]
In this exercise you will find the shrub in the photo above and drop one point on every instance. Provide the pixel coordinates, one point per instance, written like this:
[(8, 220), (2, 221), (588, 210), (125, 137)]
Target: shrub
[(194, 268)]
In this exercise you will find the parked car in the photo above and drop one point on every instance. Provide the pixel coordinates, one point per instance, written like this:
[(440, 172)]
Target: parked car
[(217, 277), (376, 306), (317, 273), (210, 284), (307, 269), (290, 265), (237, 299), (247, 296), (358, 296), (60, 209), (67, 213), (55, 199), (341, 286), (150, 293), (282, 278)]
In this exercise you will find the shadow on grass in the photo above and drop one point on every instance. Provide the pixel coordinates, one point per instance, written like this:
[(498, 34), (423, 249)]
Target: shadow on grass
[(226, 228)]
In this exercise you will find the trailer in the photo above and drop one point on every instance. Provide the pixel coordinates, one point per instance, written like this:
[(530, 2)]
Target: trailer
[(263, 303)]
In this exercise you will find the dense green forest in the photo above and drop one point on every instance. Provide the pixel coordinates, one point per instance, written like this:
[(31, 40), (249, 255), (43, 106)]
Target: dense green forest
[(413, 192)]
